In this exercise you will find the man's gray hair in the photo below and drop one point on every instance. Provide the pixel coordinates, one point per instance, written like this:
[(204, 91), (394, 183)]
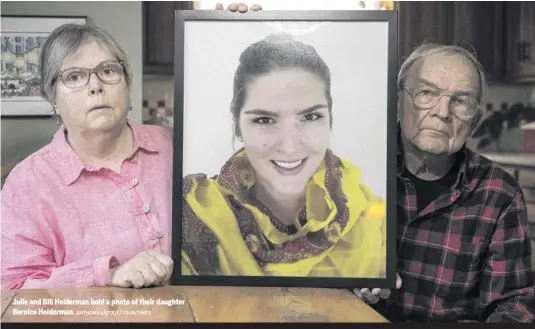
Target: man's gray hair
[(68, 40), (428, 49)]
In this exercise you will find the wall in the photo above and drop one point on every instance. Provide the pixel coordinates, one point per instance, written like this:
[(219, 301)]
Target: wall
[(21, 137), (510, 94)]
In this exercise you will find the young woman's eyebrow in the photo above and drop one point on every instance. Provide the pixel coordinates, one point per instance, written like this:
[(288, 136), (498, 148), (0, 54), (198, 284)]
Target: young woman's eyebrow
[(273, 114)]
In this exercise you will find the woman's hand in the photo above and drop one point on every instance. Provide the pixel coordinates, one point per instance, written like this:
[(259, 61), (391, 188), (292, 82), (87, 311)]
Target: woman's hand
[(144, 270), (242, 8), (372, 297)]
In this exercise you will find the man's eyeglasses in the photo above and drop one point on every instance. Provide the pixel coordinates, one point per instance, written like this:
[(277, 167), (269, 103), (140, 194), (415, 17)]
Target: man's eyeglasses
[(77, 77), (463, 106)]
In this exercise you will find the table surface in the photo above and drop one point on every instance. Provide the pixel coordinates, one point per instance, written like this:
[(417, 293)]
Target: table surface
[(524, 160), (186, 304)]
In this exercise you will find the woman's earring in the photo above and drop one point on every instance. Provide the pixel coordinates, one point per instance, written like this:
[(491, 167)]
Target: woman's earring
[(58, 118), (130, 109)]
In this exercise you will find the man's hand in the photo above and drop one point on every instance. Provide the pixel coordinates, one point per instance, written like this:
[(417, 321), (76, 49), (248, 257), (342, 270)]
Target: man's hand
[(242, 8), (376, 293), (144, 270)]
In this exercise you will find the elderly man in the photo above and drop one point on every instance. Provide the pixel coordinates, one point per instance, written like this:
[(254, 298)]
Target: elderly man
[(463, 254)]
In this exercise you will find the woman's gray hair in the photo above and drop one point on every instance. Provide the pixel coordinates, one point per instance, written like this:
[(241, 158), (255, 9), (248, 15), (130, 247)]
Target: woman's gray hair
[(428, 49), (68, 40)]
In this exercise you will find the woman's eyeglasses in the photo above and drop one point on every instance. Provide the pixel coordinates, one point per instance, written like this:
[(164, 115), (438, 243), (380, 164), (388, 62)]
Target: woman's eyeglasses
[(78, 77)]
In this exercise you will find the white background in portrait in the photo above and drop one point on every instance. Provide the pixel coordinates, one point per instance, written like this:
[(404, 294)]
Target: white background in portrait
[(357, 55)]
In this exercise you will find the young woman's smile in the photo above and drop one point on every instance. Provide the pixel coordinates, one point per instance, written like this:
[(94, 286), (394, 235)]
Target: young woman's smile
[(289, 167)]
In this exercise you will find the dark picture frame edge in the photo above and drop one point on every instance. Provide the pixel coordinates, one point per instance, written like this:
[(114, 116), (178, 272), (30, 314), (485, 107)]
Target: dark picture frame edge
[(181, 17)]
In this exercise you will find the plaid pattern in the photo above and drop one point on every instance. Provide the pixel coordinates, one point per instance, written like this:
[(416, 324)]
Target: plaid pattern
[(466, 256)]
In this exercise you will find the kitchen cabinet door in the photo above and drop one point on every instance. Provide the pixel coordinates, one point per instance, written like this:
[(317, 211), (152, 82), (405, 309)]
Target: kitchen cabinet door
[(158, 35), (479, 26), (421, 21), (520, 41)]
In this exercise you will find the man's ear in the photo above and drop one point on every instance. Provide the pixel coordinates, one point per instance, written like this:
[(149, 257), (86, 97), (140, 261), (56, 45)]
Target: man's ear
[(399, 105)]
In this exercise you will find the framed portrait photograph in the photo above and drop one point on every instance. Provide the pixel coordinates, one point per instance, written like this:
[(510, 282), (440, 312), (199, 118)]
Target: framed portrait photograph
[(285, 148), (23, 38)]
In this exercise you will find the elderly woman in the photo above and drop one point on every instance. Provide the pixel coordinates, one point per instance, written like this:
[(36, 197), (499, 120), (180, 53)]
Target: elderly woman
[(92, 207), (285, 204)]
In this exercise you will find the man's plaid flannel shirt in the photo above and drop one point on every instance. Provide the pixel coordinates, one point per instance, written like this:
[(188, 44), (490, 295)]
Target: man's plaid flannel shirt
[(466, 256)]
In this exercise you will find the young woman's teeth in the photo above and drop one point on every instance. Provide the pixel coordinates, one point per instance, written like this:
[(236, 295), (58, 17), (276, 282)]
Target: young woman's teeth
[(288, 165)]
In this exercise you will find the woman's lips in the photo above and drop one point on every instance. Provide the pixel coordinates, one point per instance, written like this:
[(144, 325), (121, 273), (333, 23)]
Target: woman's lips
[(100, 107), (289, 168)]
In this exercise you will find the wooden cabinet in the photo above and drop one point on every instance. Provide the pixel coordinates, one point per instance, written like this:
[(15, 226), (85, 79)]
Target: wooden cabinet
[(479, 26), (501, 33), (422, 21), (158, 35), (520, 36)]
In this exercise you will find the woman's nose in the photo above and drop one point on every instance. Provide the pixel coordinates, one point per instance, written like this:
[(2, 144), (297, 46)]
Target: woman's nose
[(95, 85), (289, 139)]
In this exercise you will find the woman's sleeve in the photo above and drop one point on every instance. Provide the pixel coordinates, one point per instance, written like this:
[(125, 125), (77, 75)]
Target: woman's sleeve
[(383, 246), (377, 208), (186, 267), (30, 250), (197, 257)]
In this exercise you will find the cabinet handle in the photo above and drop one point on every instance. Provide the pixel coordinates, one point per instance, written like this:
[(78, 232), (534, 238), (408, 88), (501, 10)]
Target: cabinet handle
[(521, 51), (524, 51)]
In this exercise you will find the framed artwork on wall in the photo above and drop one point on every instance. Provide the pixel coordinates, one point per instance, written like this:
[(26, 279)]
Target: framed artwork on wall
[(23, 38), (285, 148)]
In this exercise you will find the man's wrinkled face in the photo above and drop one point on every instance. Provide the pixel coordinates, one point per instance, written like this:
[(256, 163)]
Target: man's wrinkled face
[(437, 130)]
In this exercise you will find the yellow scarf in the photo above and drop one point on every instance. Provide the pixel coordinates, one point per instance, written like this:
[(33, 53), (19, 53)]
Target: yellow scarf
[(341, 232)]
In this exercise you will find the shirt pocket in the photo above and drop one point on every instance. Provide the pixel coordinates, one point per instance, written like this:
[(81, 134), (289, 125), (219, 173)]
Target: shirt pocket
[(458, 273)]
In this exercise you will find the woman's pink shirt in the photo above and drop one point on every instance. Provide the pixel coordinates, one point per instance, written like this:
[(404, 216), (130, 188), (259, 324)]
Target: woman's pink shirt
[(65, 222)]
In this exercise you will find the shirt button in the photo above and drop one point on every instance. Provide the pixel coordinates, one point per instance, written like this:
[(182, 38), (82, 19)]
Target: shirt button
[(133, 160), (159, 235), (146, 208), (134, 182)]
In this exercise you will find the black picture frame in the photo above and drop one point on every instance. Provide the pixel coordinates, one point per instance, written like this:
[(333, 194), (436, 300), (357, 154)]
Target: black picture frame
[(180, 88)]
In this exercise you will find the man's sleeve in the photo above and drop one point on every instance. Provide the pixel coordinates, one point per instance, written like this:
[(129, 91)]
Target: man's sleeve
[(507, 292)]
